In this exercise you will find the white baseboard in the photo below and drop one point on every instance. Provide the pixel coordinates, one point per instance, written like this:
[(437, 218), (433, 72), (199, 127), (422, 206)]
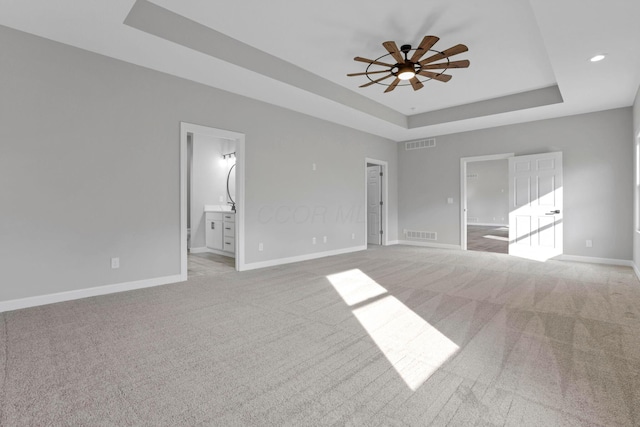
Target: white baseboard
[(487, 224), (201, 250), (637, 271), (307, 257), (18, 304), (595, 260), (393, 242), (211, 251), (429, 244)]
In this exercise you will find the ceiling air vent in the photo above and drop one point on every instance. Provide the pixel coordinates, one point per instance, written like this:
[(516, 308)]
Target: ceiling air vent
[(421, 235), (423, 143)]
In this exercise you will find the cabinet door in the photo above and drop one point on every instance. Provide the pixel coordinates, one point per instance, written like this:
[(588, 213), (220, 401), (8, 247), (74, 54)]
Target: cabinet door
[(214, 234)]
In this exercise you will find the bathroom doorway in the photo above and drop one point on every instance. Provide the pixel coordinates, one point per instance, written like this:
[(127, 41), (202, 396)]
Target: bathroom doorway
[(209, 158)]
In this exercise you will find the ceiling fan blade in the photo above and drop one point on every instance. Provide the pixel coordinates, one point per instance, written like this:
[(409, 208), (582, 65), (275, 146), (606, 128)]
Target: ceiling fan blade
[(417, 84), (392, 86), (373, 61), (435, 76), (376, 81), (426, 44), (392, 48), (368, 72), (452, 64), (459, 48)]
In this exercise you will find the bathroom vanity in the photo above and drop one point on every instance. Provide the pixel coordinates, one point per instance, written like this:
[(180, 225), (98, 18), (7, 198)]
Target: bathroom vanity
[(220, 234)]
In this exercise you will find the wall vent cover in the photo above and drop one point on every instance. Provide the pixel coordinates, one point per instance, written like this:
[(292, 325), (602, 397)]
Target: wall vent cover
[(423, 143), (473, 219), (472, 176), (421, 235)]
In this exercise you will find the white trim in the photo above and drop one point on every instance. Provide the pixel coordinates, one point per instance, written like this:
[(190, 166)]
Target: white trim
[(487, 224), (393, 242), (201, 250), (463, 190), (595, 260), (429, 245), (307, 257), (18, 304), (385, 198), (239, 138), (636, 270)]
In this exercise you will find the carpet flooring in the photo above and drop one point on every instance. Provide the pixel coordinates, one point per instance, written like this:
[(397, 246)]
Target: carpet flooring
[(391, 336)]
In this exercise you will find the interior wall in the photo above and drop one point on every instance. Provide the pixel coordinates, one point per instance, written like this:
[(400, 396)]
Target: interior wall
[(209, 185), (89, 170), (488, 192), (597, 172)]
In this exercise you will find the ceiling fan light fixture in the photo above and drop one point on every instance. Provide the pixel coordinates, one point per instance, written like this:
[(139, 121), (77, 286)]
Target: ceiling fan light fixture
[(406, 72)]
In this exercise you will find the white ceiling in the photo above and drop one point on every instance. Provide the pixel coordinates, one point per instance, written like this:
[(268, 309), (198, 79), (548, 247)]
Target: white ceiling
[(297, 54)]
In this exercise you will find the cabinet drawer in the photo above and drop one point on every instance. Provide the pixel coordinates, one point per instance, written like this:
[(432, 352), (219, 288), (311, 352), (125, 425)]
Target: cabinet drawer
[(229, 217), (229, 244), (229, 229), (213, 216)]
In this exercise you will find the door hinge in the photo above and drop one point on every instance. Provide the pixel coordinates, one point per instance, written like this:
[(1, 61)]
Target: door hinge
[(380, 231), (381, 202), (380, 173)]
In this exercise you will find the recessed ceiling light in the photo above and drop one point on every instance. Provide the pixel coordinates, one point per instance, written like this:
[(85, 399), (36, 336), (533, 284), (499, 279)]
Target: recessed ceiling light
[(597, 58)]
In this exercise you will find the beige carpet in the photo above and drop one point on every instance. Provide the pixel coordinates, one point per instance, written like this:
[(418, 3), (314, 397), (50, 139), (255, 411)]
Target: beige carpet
[(390, 336)]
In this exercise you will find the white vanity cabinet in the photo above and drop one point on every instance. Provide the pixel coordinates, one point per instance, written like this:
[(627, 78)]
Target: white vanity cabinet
[(214, 230), (229, 232), (221, 232)]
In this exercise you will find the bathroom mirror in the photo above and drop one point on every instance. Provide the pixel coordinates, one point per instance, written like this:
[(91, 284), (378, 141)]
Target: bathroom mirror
[(231, 187)]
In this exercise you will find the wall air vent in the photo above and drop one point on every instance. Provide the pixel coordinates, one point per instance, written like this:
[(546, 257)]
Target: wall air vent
[(421, 235), (423, 143), (472, 176), (472, 219)]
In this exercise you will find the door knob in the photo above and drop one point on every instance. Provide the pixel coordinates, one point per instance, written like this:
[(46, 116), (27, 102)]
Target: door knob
[(557, 211)]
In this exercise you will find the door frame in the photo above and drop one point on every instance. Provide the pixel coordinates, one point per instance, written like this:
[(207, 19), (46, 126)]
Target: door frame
[(384, 241), (463, 189), (186, 128)]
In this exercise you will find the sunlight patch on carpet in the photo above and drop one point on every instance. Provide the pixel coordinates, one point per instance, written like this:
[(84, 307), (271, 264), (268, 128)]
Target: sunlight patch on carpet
[(414, 348)]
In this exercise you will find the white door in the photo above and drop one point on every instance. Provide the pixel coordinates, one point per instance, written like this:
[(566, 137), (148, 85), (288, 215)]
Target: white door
[(535, 206), (373, 204)]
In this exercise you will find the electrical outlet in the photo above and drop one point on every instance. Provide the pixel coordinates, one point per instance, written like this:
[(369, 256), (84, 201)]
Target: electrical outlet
[(313, 166), (260, 247), (589, 243), (353, 236), (115, 262), (221, 198), (450, 200), (313, 240), (324, 239)]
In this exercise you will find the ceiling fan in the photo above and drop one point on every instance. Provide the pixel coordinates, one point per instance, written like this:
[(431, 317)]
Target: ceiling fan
[(406, 68)]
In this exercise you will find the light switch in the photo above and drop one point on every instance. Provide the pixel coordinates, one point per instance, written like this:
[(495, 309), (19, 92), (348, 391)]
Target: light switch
[(450, 201)]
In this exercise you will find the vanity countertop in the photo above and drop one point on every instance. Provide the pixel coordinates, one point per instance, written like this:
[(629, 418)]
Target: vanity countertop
[(218, 208)]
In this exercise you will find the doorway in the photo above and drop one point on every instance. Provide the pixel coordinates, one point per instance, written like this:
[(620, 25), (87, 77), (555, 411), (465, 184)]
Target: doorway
[(484, 203), (187, 133), (535, 202), (375, 202)]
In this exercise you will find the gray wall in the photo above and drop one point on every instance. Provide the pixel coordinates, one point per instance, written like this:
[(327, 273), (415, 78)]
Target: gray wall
[(488, 192), (597, 164), (89, 170)]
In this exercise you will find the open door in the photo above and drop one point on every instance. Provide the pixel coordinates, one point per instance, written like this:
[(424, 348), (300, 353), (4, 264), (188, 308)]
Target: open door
[(374, 198), (535, 206)]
